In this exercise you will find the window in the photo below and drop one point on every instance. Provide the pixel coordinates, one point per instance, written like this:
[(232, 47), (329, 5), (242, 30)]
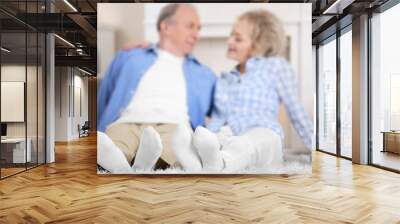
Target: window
[(327, 97), (346, 94), (385, 89)]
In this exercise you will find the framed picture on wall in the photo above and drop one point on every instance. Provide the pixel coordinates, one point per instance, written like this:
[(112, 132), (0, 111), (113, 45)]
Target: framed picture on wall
[(12, 101)]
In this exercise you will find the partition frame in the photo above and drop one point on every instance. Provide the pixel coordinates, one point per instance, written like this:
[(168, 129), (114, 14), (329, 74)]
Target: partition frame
[(44, 82), (334, 37)]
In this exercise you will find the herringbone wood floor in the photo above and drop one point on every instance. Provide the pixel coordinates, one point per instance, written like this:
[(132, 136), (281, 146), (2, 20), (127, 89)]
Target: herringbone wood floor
[(70, 191)]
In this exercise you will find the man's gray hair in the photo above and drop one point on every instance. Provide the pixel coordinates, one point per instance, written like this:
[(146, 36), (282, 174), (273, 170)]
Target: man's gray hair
[(168, 12)]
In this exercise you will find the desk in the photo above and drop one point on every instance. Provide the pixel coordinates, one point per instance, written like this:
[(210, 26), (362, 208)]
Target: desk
[(391, 141), (15, 148)]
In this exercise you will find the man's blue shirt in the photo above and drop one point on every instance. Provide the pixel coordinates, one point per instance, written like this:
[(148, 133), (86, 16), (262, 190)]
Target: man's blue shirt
[(125, 72)]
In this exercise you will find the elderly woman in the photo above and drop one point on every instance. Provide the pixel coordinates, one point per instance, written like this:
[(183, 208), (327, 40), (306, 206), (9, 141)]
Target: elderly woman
[(244, 130)]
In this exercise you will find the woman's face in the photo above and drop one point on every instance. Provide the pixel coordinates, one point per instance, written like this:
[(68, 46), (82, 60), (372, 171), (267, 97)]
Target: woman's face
[(239, 42)]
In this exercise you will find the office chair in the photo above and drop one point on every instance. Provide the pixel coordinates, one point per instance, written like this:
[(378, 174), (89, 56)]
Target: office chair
[(84, 130)]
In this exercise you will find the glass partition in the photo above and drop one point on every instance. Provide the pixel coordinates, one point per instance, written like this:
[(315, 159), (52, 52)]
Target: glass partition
[(22, 77), (31, 100), (14, 153)]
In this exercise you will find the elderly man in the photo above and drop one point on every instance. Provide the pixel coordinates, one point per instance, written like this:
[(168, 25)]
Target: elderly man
[(151, 98)]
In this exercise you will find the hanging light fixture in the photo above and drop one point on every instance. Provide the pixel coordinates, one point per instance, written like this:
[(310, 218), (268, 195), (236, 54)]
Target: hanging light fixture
[(5, 50), (70, 5)]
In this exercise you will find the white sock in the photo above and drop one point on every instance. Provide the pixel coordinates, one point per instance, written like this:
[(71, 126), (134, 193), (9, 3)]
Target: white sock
[(208, 147), (224, 134), (109, 156), (184, 149), (238, 153), (149, 151)]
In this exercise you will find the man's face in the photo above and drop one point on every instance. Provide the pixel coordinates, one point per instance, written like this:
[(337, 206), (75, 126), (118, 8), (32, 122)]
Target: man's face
[(183, 30)]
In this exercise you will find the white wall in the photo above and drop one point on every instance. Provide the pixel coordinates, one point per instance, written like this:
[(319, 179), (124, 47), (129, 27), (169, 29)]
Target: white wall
[(117, 24), (34, 125), (70, 83), (61, 103), (79, 117), (17, 73)]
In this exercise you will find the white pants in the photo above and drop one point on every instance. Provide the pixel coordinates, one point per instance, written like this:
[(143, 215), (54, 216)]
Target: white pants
[(257, 148)]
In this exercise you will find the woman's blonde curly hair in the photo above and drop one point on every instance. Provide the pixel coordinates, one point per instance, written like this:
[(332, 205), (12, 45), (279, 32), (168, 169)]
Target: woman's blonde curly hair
[(267, 36)]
